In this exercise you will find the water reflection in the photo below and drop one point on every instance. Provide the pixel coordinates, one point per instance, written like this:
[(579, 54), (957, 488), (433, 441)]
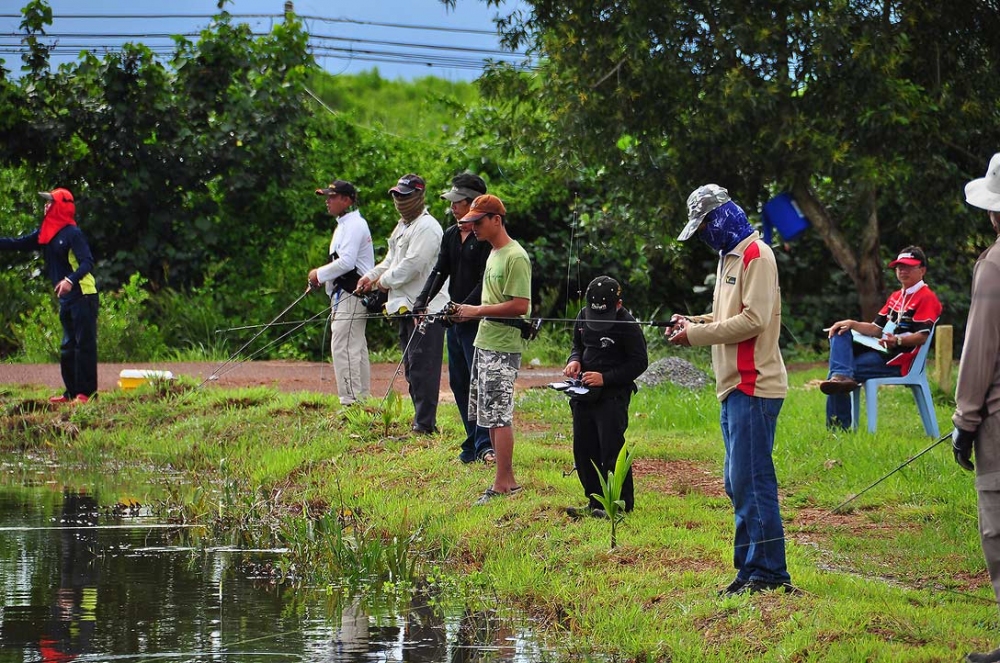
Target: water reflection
[(86, 584)]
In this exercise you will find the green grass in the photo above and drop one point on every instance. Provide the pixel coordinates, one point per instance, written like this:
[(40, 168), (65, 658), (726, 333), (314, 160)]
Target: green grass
[(898, 577)]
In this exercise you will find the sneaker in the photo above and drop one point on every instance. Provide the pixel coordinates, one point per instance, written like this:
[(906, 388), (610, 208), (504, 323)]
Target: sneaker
[(59, 400), (758, 586), (838, 384), (81, 398), (578, 512), (985, 657)]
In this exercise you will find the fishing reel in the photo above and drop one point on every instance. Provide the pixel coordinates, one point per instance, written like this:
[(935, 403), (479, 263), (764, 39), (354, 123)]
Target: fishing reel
[(444, 317), (374, 300)]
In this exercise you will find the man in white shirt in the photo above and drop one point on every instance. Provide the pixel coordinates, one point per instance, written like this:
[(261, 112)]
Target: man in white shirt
[(351, 255), (413, 251)]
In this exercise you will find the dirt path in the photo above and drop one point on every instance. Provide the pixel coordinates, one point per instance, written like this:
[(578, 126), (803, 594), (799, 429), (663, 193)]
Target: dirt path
[(283, 375)]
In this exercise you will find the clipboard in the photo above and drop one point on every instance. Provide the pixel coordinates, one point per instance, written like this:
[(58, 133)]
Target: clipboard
[(868, 342)]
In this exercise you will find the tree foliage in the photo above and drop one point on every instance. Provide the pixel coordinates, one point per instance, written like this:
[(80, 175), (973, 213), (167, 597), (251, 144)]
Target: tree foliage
[(872, 113)]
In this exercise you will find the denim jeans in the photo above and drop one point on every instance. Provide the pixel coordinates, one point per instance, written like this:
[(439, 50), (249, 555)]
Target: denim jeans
[(461, 354), (853, 361), (748, 425)]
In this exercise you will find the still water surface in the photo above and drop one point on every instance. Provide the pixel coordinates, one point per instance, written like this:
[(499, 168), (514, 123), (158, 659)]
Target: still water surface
[(82, 583)]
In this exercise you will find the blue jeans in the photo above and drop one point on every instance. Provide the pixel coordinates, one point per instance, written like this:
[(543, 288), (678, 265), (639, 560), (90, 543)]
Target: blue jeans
[(461, 354), (853, 361), (748, 425)]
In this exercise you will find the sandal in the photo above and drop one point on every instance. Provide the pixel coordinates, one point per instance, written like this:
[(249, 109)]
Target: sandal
[(489, 494), (488, 457)]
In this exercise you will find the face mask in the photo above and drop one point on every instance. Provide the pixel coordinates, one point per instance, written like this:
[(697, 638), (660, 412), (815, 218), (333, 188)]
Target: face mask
[(725, 227)]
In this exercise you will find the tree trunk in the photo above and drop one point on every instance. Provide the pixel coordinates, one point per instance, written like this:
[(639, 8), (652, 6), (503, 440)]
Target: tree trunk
[(862, 266)]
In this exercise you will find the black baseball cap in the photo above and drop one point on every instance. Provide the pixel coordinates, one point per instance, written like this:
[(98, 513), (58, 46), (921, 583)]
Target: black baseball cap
[(339, 187), (407, 184), (603, 295)]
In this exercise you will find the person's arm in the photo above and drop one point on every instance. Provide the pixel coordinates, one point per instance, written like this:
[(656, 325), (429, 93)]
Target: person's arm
[(437, 277), (84, 258), (27, 242), (760, 288), (421, 248), (574, 363), (981, 348), (348, 248), (636, 358)]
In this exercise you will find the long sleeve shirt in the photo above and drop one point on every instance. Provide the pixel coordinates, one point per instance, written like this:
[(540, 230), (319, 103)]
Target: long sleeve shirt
[(463, 263), (617, 353), (350, 249), (67, 256), (977, 393), (745, 323), (413, 250)]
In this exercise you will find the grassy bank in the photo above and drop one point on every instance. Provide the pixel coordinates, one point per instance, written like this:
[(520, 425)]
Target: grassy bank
[(899, 577)]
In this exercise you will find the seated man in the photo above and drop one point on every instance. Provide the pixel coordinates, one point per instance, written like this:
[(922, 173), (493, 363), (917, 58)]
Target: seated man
[(883, 348)]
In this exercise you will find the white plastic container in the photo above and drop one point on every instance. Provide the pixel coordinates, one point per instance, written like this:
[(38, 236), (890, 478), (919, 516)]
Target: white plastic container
[(130, 378)]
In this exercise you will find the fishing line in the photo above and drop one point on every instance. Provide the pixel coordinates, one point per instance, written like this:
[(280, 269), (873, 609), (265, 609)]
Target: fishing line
[(278, 317)]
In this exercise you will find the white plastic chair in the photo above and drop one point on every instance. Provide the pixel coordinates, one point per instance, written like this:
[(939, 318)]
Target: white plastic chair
[(916, 380)]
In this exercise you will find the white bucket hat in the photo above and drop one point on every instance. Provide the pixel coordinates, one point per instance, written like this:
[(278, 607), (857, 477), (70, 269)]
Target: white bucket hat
[(702, 200), (984, 193)]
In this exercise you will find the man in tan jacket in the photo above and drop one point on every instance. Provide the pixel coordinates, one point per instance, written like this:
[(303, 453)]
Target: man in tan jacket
[(751, 383)]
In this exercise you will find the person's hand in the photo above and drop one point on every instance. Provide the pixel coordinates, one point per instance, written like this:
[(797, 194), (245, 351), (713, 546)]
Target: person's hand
[(592, 379), (572, 369), (364, 285), (677, 334), (961, 444), (313, 278), (841, 327), (64, 287), (465, 312)]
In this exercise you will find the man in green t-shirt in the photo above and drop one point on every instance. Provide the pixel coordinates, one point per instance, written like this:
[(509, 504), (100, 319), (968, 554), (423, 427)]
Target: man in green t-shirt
[(506, 297)]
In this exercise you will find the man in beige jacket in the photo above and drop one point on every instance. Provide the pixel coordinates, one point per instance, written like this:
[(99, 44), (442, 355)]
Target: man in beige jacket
[(751, 383)]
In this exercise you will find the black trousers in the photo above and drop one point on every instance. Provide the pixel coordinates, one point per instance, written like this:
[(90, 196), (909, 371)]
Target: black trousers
[(598, 436), (422, 356), (78, 351)]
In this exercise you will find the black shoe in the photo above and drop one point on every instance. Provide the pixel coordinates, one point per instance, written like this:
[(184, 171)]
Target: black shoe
[(467, 457), (733, 588), (758, 586), (577, 512), (986, 657), (420, 430), (838, 384)]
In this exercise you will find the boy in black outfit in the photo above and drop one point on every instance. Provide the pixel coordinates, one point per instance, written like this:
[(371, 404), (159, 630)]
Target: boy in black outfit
[(609, 353)]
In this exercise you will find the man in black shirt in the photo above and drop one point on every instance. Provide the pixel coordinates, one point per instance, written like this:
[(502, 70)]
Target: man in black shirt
[(462, 259)]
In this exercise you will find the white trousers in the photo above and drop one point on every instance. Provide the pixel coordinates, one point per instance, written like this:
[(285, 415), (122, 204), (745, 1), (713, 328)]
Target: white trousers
[(349, 348)]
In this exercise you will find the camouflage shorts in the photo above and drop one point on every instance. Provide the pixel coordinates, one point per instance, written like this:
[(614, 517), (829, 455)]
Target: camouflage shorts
[(491, 388)]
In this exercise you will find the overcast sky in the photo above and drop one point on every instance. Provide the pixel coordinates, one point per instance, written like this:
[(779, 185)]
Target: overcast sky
[(360, 35)]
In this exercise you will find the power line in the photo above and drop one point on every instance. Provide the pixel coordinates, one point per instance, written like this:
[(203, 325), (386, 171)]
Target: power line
[(321, 45)]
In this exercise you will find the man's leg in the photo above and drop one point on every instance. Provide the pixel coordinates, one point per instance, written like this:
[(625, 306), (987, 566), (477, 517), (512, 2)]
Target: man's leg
[(468, 336), (349, 349), (612, 422), (425, 357), (459, 372), (85, 325), (503, 446), (748, 431), (864, 365), (586, 450)]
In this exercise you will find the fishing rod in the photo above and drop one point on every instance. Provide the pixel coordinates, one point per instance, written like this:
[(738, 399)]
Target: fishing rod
[(897, 469)]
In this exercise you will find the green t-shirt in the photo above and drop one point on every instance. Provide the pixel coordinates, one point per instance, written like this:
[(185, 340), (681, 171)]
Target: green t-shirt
[(507, 275)]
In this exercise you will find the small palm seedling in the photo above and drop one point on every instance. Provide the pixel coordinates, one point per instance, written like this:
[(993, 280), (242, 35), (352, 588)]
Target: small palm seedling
[(611, 499)]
